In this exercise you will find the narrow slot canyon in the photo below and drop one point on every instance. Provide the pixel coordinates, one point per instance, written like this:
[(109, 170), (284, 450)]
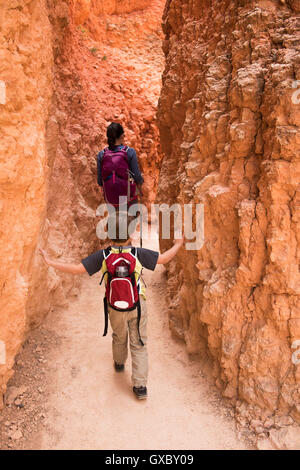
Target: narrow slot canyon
[(208, 95)]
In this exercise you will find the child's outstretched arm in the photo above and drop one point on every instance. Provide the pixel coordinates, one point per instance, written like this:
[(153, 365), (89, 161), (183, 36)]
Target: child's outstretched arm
[(171, 253), (65, 267)]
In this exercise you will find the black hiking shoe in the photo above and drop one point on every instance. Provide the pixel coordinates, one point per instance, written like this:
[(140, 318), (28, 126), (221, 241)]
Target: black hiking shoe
[(140, 392), (119, 367)]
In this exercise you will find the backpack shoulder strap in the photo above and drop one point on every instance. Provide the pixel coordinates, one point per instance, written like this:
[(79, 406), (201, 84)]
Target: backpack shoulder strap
[(103, 155), (133, 251), (125, 149), (106, 252)]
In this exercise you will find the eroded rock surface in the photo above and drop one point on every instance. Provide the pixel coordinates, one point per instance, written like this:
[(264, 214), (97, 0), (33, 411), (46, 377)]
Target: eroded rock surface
[(26, 62), (229, 122)]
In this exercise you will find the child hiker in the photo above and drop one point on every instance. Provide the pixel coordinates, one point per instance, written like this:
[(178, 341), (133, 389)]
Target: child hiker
[(125, 299)]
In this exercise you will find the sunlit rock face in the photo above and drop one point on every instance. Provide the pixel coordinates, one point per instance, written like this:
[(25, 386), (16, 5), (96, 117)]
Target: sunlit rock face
[(229, 118), (25, 96), (116, 51), (84, 8)]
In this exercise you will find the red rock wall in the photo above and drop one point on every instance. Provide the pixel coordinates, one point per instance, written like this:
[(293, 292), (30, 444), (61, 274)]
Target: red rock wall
[(119, 62), (83, 9), (26, 69), (114, 22), (230, 134)]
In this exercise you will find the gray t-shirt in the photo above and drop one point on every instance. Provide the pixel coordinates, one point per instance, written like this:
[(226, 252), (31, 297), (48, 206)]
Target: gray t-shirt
[(147, 258)]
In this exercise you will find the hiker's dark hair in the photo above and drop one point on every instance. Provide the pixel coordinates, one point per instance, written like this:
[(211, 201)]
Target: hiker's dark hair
[(114, 131), (121, 226)]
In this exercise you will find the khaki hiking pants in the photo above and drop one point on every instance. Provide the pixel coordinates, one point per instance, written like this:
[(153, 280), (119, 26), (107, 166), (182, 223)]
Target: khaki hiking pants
[(123, 323)]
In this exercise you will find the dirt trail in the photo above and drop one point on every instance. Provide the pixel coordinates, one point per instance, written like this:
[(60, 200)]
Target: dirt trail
[(89, 406)]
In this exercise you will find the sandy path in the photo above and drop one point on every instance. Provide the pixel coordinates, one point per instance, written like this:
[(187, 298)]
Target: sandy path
[(92, 407)]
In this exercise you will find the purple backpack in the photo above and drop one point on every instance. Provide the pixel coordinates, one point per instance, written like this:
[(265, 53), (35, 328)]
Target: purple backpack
[(116, 177)]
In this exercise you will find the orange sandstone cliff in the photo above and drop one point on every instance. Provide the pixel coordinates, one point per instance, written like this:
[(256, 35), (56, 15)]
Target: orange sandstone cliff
[(229, 124), (27, 85)]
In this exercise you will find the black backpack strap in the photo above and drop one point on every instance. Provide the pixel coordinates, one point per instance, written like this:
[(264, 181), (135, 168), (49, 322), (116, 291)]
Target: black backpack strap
[(134, 281), (106, 272), (133, 251), (103, 154), (132, 278), (139, 312), (105, 316), (142, 278), (107, 252)]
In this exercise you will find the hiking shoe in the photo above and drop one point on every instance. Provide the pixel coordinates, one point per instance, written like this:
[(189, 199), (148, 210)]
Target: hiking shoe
[(140, 392), (119, 367)]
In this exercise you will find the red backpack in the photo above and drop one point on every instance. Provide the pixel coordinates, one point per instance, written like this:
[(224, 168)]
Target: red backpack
[(122, 288), (116, 177)]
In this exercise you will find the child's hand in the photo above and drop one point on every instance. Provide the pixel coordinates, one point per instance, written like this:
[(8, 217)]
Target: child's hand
[(179, 241), (172, 252), (44, 255)]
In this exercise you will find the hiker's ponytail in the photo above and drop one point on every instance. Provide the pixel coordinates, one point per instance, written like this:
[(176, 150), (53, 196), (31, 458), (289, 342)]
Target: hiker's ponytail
[(114, 131)]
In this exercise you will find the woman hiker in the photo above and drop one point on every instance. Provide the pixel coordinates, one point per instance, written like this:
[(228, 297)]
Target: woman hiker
[(118, 170)]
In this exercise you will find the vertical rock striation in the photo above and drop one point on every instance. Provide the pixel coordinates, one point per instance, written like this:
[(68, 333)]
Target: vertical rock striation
[(26, 70), (229, 123)]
